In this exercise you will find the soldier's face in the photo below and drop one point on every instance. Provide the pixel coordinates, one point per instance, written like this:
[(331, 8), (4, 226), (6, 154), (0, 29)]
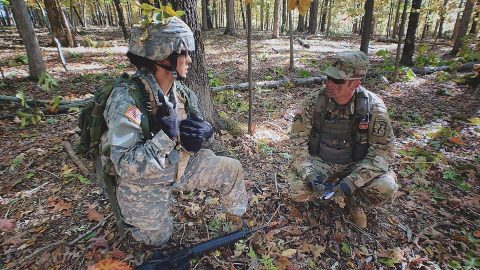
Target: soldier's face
[(183, 62), (339, 90)]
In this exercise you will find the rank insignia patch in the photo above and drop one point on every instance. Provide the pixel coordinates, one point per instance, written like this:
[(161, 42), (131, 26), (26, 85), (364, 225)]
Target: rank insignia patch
[(133, 114), (379, 128)]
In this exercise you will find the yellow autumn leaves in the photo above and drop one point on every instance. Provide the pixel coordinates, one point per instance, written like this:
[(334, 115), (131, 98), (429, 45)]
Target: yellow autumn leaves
[(302, 5)]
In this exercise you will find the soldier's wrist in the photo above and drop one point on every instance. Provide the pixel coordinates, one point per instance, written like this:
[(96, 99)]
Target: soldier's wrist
[(315, 177)]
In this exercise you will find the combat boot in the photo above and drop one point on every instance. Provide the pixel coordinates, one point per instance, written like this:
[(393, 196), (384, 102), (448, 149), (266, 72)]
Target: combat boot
[(357, 215)]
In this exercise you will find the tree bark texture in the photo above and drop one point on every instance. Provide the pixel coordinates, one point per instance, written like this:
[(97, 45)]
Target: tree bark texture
[(197, 79), (230, 10), (60, 30), (442, 19), (390, 15), (457, 22), (301, 23), (463, 26), (399, 43), (329, 17), (324, 16), (204, 15), (474, 29), (397, 17), (409, 48), (313, 20), (36, 65), (276, 11), (262, 12), (121, 18), (367, 26)]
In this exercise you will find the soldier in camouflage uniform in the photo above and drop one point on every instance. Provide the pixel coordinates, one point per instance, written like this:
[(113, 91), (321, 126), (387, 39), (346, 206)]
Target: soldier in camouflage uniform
[(149, 167), (345, 141)]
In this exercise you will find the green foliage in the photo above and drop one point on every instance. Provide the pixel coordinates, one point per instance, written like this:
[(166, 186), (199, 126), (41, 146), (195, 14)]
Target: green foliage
[(413, 117), (384, 53), (16, 162), (466, 53), (268, 263), (279, 71), (444, 133), (230, 99), (345, 247), (264, 147), (26, 115), (443, 76), (389, 262), (420, 162), (153, 15), (21, 59), (409, 74), (430, 59), (47, 82), (304, 73), (72, 176), (450, 175), (74, 55), (213, 81), (387, 63)]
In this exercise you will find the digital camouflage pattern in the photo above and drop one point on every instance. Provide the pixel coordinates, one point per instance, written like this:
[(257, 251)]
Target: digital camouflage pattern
[(146, 170), (371, 178), (158, 41), (348, 66)]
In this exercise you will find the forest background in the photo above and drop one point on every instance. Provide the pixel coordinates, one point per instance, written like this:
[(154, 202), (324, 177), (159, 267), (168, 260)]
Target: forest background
[(423, 53)]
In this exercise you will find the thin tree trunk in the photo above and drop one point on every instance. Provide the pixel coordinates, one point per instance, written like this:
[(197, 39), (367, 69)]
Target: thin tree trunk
[(204, 15), (397, 16), (324, 15), (262, 5), (301, 23), (409, 48), (313, 20), (25, 28), (474, 29), (400, 37), (230, 8), (290, 23), (367, 26), (426, 26), (60, 28), (284, 15), (442, 19), (463, 26), (216, 13), (243, 15), (249, 64), (276, 11), (457, 22), (329, 20), (390, 15), (209, 15), (72, 15), (121, 19)]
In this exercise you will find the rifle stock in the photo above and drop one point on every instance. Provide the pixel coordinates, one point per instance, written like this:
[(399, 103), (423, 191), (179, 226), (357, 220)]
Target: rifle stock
[(180, 259)]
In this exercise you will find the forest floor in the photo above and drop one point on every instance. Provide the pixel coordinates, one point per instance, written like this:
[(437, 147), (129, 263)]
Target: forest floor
[(431, 223)]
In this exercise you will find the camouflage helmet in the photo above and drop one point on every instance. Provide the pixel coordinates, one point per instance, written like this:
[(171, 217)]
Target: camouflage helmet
[(348, 66), (158, 41)]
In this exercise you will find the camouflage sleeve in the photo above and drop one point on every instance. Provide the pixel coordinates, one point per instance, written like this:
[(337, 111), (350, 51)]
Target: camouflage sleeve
[(301, 126), (133, 158), (193, 107), (381, 151)]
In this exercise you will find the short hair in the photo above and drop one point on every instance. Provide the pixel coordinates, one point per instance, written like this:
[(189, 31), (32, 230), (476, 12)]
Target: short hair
[(141, 62)]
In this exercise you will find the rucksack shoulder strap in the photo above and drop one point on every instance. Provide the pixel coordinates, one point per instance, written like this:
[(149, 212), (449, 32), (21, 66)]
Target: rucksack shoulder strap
[(136, 93)]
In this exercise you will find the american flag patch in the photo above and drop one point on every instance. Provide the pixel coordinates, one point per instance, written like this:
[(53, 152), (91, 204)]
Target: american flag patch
[(133, 114)]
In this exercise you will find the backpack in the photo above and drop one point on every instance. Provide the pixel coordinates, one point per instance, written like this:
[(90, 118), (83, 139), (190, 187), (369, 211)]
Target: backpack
[(91, 121)]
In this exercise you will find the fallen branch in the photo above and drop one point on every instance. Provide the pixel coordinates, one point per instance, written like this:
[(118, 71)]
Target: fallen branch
[(71, 153), (61, 243), (270, 84), (42, 102), (303, 43)]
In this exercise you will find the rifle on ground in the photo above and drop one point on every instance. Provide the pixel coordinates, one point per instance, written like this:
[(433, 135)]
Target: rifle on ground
[(180, 259)]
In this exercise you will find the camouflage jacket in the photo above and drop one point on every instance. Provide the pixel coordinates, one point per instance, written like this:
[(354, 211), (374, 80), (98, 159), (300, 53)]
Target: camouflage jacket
[(135, 159), (380, 137)]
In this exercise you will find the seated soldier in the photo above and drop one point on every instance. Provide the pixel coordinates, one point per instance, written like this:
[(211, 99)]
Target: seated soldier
[(345, 140), (150, 165)]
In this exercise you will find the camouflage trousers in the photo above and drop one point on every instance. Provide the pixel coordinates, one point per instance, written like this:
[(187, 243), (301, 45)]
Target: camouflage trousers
[(372, 193), (147, 207)]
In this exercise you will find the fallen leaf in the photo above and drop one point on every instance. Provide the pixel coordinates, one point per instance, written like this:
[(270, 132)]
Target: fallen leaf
[(100, 242), (317, 250), (284, 263), (110, 264), (60, 206), (118, 254), (289, 252), (476, 234), (7, 225), (92, 214)]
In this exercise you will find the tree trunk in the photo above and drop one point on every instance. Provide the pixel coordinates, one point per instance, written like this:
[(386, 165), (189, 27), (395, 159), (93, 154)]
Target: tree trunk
[(313, 20), (397, 16), (121, 18), (36, 65), (204, 15), (474, 29), (243, 15), (409, 48), (426, 26), (7, 14), (276, 11), (389, 21), (284, 15), (329, 18), (267, 17), (367, 26), (262, 11), (197, 79), (230, 8), (324, 16), (301, 23), (60, 30), (457, 22), (215, 11), (290, 25), (463, 26), (442, 19), (209, 15), (399, 43)]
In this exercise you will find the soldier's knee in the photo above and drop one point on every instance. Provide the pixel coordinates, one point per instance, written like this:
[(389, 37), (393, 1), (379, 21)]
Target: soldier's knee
[(387, 184)]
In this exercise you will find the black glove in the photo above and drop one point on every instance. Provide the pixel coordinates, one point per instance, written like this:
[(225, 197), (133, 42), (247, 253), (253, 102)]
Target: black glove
[(342, 189), (167, 118), (193, 132), (317, 182)]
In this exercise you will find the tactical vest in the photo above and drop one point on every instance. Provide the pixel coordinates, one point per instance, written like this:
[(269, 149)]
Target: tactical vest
[(340, 141)]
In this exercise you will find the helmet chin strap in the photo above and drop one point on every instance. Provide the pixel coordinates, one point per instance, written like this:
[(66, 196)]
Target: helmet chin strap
[(173, 68)]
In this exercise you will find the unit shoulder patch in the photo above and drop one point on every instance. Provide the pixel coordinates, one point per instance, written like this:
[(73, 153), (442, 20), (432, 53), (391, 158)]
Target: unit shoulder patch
[(133, 114), (379, 128)]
